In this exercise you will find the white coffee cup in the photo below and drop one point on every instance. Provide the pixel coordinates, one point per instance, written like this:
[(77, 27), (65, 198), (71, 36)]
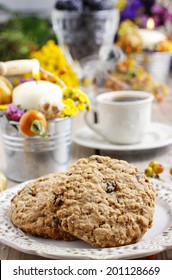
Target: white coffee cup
[(124, 117)]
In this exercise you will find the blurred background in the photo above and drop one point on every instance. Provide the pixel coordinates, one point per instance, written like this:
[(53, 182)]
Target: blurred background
[(25, 26), (42, 7), (28, 30)]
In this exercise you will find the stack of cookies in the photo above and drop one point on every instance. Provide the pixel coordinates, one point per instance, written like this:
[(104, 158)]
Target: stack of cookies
[(102, 201)]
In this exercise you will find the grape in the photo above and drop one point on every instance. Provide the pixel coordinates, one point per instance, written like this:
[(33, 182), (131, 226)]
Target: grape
[(96, 5), (69, 5)]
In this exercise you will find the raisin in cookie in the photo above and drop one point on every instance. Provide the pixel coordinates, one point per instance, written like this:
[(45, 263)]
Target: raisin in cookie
[(29, 210), (105, 202)]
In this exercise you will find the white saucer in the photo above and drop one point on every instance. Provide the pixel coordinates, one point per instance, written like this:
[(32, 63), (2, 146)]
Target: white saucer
[(160, 135)]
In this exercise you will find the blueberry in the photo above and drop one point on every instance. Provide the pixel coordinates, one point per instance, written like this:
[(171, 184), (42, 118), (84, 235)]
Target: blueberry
[(69, 5), (96, 5)]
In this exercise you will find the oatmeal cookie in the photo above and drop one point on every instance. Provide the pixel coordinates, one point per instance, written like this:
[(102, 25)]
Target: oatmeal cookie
[(29, 210), (105, 202)]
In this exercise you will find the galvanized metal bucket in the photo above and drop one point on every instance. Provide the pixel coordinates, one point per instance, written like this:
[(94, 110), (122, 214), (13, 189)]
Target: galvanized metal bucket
[(156, 63), (32, 157)]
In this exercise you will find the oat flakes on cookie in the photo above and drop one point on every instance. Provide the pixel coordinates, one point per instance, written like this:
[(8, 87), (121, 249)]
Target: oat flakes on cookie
[(105, 202), (29, 210)]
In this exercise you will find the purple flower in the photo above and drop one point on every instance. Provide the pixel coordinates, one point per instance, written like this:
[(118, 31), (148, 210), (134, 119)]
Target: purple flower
[(23, 80), (132, 9), (139, 10), (14, 113), (161, 14)]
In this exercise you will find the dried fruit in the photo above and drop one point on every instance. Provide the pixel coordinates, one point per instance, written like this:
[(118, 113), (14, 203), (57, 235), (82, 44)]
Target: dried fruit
[(159, 168), (149, 171), (110, 187), (51, 108), (154, 169), (5, 91), (33, 123), (57, 221), (170, 170), (153, 163)]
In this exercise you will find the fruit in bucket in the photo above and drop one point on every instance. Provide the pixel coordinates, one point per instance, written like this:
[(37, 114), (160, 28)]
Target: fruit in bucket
[(5, 91), (33, 123)]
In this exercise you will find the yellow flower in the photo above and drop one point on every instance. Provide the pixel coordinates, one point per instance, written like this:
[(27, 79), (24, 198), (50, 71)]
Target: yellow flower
[(87, 82), (76, 94), (70, 108), (52, 59), (81, 106), (83, 98), (69, 102), (170, 46), (74, 100), (126, 27), (4, 106), (121, 4), (67, 92)]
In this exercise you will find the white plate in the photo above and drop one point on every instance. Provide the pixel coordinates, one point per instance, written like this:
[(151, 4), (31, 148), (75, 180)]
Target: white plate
[(157, 239), (159, 135)]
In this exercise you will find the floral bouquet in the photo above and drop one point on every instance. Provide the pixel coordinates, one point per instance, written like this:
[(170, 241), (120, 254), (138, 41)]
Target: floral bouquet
[(34, 122), (129, 38), (149, 47), (127, 75), (135, 15), (139, 11), (59, 76), (36, 125)]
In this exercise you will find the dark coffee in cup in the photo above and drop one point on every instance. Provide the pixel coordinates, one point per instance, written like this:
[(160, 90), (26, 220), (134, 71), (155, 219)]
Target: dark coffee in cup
[(126, 99)]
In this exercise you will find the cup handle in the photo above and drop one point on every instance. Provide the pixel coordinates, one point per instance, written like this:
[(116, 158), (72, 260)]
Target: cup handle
[(93, 126)]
